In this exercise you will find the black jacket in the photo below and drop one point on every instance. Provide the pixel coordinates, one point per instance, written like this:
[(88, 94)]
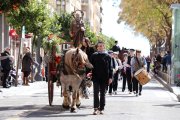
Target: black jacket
[(89, 51), (6, 64), (102, 70), (27, 62), (116, 48)]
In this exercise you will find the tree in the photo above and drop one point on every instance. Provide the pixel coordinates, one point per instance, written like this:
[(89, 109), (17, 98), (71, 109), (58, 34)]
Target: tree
[(35, 17), (152, 18)]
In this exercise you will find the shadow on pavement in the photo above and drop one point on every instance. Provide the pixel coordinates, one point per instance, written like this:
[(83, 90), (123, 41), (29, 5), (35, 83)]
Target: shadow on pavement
[(169, 105), (29, 111)]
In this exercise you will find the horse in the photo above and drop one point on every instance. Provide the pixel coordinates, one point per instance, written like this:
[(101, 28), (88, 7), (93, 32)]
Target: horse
[(75, 62)]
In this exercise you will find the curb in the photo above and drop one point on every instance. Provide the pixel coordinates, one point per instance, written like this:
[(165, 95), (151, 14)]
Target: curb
[(167, 86)]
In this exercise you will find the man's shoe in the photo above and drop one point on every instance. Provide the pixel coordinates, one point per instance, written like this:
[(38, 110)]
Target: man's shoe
[(140, 93), (6, 86), (96, 111), (102, 112)]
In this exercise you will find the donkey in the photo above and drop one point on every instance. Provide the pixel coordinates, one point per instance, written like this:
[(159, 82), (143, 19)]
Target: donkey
[(75, 61)]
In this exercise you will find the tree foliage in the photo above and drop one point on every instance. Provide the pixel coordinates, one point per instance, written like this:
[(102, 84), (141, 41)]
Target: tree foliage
[(152, 18), (9, 5), (36, 18), (65, 20)]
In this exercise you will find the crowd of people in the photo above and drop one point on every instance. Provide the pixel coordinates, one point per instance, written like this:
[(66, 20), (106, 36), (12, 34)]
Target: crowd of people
[(108, 69), (162, 63)]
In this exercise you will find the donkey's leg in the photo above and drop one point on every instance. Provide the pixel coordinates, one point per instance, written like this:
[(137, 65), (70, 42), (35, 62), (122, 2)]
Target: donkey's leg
[(66, 98), (73, 105), (78, 102)]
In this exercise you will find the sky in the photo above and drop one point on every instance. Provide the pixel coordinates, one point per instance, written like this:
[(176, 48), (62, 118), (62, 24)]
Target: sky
[(121, 32)]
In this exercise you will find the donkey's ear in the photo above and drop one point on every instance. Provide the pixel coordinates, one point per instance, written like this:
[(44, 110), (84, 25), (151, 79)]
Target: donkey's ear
[(77, 50)]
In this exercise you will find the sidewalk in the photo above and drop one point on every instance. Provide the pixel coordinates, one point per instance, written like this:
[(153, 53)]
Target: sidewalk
[(21, 90), (171, 88)]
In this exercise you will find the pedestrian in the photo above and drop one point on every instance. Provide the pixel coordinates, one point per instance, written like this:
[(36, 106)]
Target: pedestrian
[(46, 61), (77, 29), (115, 68), (137, 63), (87, 47), (101, 76), (27, 62), (116, 47), (7, 65), (116, 76), (89, 50), (168, 64), (123, 72), (164, 66), (128, 72), (148, 61)]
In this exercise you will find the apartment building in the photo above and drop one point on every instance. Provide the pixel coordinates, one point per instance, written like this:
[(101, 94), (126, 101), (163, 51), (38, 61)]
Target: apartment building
[(92, 11), (93, 14)]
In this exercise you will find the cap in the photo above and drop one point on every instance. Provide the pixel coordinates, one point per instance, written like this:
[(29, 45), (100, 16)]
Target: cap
[(132, 50), (138, 51), (110, 52), (116, 53), (125, 54)]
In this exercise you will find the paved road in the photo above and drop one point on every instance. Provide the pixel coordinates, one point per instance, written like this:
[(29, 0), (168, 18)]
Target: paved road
[(31, 103)]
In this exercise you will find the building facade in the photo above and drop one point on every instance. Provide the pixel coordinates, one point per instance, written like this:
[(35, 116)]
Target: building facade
[(92, 11), (93, 14)]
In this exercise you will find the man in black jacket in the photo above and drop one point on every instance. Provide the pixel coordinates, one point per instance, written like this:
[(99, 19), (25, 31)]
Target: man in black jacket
[(116, 48), (101, 76), (6, 67)]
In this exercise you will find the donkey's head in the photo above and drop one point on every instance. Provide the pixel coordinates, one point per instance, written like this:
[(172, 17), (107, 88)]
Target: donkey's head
[(80, 59)]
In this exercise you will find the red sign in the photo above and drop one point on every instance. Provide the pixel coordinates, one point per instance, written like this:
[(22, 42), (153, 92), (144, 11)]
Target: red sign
[(12, 33)]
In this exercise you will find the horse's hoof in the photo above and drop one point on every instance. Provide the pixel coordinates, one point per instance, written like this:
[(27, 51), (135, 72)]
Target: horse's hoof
[(78, 105), (65, 106), (73, 110)]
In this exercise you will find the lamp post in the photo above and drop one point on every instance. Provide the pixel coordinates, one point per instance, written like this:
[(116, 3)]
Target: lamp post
[(175, 43)]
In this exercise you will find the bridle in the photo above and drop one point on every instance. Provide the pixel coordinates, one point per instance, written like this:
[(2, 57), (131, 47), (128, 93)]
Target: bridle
[(77, 61)]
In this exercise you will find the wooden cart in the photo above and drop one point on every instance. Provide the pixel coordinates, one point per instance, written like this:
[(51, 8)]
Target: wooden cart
[(54, 68)]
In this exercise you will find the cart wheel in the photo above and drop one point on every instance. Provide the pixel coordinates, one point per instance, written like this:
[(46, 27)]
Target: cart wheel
[(50, 91)]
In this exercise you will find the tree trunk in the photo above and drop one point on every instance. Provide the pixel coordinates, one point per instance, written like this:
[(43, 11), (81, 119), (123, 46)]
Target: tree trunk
[(32, 51), (18, 61), (168, 41), (38, 76)]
